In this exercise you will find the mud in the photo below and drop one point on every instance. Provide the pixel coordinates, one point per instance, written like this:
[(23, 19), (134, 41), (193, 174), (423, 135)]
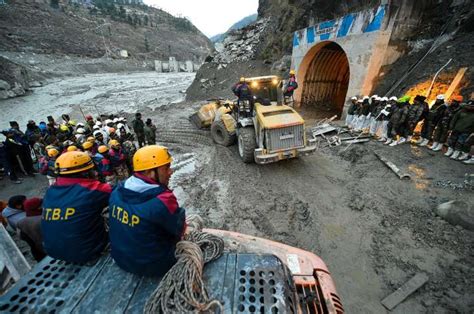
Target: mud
[(372, 229)]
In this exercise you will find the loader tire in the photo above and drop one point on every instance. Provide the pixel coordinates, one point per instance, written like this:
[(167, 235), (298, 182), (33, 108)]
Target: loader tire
[(247, 144), (220, 135)]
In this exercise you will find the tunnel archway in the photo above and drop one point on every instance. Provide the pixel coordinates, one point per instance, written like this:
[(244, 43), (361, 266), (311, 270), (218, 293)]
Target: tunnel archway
[(324, 74)]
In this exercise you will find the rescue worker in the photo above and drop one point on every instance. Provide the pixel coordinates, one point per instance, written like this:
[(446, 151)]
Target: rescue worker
[(30, 227), (290, 87), (15, 211), (376, 116), (139, 129), (118, 159), (244, 94), (99, 137), (351, 111), (364, 115), (397, 122), (462, 125), (87, 148), (150, 132), (72, 224), (105, 166), (47, 166), (442, 128), (414, 116), (432, 118), (386, 113), (146, 221)]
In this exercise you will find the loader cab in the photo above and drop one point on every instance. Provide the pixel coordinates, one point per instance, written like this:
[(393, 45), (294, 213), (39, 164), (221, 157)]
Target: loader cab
[(267, 90)]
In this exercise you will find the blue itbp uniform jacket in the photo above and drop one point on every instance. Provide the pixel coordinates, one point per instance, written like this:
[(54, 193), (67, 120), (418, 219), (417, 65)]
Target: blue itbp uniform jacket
[(72, 224), (145, 225)]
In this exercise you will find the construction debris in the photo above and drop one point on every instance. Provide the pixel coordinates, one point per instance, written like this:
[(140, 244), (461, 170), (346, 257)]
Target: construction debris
[(404, 291), (393, 167)]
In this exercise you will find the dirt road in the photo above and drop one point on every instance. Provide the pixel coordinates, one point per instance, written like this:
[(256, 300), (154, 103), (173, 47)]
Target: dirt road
[(373, 230)]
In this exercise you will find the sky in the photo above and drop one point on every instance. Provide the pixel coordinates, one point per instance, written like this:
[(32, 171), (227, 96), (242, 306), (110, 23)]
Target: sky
[(212, 17)]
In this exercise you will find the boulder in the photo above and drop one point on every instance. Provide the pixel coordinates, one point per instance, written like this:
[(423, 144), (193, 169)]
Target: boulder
[(457, 213), (4, 85)]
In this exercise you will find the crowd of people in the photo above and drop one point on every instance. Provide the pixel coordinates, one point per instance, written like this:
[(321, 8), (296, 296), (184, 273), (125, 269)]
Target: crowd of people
[(93, 167), (394, 121), (108, 140)]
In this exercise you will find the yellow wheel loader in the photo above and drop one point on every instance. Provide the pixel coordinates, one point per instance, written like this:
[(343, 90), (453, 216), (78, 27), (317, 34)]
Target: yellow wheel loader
[(264, 128)]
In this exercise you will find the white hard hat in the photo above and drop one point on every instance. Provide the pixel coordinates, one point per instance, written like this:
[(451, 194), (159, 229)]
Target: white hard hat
[(120, 125), (393, 98), (80, 124), (108, 121), (98, 123), (116, 120), (96, 133), (80, 131), (95, 127), (121, 119), (354, 98), (384, 99), (359, 101), (366, 98), (374, 96), (440, 97)]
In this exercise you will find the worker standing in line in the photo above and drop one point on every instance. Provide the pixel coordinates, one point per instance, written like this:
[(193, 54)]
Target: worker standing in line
[(415, 114), (461, 126), (442, 129), (146, 221), (433, 115), (139, 129), (351, 111), (72, 223)]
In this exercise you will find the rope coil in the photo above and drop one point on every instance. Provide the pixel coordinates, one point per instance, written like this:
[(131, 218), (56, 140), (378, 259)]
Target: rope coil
[(182, 289)]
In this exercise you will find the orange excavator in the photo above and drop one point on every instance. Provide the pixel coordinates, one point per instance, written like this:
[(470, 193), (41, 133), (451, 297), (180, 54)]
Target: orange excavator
[(253, 275)]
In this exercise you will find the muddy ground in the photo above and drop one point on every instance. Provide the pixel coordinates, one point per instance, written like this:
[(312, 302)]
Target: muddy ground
[(373, 230)]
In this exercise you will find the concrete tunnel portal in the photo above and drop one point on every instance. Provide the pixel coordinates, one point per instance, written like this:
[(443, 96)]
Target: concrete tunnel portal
[(324, 77)]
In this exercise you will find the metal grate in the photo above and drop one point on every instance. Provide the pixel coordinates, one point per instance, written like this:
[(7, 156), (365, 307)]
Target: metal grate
[(43, 289), (263, 291), (285, 138)]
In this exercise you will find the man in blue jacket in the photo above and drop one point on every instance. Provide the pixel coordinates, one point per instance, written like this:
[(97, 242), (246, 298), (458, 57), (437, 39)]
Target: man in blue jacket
[(72, 223), (146, 221)]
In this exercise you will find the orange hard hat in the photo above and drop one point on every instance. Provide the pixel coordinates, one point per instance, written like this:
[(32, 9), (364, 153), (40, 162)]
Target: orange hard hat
[(457, 98)]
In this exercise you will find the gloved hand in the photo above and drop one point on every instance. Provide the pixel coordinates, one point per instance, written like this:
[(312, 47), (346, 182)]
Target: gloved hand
[(385, 112)]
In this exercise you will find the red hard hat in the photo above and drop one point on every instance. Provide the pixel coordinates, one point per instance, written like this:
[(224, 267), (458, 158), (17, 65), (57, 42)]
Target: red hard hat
[(89, 117)]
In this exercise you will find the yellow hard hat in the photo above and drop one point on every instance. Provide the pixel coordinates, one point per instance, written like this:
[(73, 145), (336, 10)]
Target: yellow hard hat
[(72, 148), (72, 122), (73, 162), (91, 139), (63, 128), (87, 145), (53, 152), (242, 79), (114, 143), (151, 157), (292, 72), (102, 149)]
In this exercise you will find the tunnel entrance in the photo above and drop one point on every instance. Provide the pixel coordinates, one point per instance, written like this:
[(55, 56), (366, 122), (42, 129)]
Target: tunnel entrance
[(325, 81)]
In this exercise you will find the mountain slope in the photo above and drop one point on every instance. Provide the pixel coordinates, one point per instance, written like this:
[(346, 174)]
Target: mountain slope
[(240, 24), (143, 31)]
